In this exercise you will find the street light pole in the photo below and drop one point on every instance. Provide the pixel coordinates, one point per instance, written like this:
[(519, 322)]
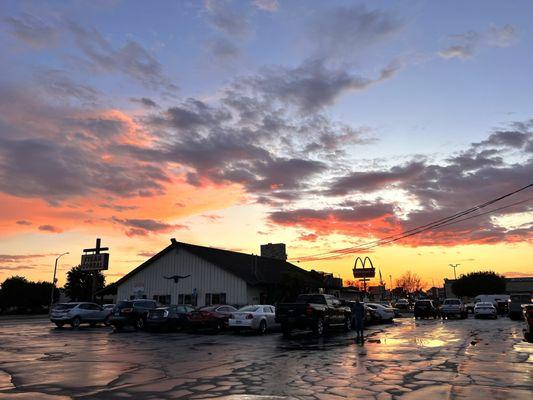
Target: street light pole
[(454, 266), (54, 280)]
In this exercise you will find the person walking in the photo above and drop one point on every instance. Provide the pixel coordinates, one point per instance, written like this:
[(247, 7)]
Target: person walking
[(359, 319)]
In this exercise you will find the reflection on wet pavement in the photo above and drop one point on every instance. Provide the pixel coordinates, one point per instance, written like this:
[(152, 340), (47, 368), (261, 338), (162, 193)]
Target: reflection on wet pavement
[(459, 359)]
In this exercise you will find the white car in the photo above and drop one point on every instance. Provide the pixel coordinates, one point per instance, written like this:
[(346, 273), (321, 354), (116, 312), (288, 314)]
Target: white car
[(485, 309), (384, 313), (78, 313), (256, 317)]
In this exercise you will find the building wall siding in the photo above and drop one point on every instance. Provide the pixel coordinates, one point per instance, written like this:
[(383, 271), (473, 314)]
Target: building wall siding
[(204, 277)]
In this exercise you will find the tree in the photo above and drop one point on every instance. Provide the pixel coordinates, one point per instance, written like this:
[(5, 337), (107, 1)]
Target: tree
[(409, 282), (25, 296), (475, 283), (79, 286), (351, 283)]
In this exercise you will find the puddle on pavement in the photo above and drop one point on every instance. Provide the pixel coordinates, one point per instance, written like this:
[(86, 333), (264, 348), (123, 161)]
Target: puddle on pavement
[(423, 342)]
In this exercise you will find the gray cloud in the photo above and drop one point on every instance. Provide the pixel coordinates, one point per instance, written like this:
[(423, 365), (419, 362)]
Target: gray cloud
[(143, 227), (222, 49), (32, 30), (374, 180), (48, 169), (312, 86), (13, 258), (227, 20), (145, 101), (343, 32), (464, 45), (50, 228), (131, 59), (23, 222), (58, 83)]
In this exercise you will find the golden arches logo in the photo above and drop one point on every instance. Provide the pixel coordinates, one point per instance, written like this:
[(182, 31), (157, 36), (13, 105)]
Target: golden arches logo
[(363, 272)]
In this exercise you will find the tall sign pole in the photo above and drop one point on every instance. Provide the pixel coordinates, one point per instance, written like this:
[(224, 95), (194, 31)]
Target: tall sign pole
[(454, 266)]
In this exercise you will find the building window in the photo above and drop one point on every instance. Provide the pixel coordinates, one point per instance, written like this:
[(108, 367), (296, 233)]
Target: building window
[(215, 298), (163, 299), (191, 299)]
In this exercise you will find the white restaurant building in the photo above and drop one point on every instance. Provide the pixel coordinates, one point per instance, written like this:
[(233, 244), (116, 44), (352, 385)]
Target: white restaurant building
[(183, 273)]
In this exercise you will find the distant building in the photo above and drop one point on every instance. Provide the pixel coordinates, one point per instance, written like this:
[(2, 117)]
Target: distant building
[(274, 250)]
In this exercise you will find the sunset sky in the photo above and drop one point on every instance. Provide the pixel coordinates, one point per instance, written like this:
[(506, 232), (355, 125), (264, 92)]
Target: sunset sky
[(320, 124)]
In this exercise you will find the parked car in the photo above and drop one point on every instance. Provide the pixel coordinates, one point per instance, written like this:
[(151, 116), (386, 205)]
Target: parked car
[(485, 309), (527, 311), (515, 305), (453, 307), (76, 314), (313, 311), (171, 318), (402, 304), (211, 317), (425, 309), (384, 314), (109, 309), (491, 298), (131, 313), (256, 317)]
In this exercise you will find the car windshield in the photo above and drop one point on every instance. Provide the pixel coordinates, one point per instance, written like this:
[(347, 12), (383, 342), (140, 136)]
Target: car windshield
[(206, 308), (520, 298), (453, 301), (311, 298), (124, 304), (65, 306), (249, 308)]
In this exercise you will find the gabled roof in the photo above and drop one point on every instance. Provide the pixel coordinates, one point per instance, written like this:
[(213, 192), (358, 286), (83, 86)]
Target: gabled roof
[(253, 269)]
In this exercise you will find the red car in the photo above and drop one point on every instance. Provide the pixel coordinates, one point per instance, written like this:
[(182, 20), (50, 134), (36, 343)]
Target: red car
[(211, 317)]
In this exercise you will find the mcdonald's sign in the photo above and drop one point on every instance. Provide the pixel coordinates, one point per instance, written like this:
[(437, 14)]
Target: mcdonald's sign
[(363, 272)]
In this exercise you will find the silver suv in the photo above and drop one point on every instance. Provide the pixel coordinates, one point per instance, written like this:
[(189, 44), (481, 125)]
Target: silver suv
[(453, 307), (77, 313)]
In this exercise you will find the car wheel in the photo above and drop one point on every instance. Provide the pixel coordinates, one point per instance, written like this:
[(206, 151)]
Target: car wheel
[(218, 326), (75, 323), (286, 330), (347, 324), (262, 327), (106, 321), (318, 329), (59, 324), (139, 324)]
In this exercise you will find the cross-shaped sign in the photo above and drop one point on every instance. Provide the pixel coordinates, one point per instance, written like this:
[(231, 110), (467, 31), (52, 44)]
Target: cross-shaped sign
[(97, 249)]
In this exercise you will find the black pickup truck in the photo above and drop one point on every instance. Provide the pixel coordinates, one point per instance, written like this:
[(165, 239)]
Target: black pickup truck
[(313, 311)]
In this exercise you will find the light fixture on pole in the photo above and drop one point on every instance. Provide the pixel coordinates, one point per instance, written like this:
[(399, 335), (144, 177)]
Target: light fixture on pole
[(454, 266), (54, 280)]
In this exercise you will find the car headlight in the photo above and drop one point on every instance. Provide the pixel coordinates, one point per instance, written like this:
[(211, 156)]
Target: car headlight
[(165, 313)]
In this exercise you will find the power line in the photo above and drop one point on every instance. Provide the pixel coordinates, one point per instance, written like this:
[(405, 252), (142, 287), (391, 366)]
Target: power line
[(455, 218)]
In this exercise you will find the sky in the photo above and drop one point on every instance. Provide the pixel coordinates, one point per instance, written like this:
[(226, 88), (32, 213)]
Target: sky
[(231, 124)]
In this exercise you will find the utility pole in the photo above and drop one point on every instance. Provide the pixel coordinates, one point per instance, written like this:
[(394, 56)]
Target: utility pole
[(454, 266), (54, 280)]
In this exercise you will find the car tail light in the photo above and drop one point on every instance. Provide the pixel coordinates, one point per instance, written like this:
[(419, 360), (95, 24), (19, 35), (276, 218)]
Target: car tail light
[(309, 310), (249, 316), (126, 310)]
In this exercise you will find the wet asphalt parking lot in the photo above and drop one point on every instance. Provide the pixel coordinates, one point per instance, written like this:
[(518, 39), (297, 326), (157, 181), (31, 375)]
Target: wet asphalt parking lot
[(431, 359)]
